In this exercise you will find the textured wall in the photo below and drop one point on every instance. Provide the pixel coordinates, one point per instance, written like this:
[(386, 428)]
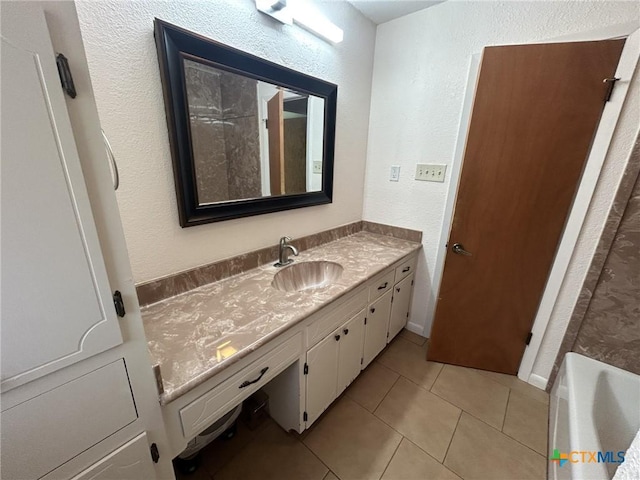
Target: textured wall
[(420, 72), (118, 38), (610, 331)]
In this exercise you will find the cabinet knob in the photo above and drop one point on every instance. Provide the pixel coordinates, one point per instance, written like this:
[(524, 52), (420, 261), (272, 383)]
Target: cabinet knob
[(337, 337), (398, 289), (373, 310), (346, 331)]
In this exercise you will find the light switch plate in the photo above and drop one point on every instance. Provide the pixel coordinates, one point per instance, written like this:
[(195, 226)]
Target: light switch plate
[(430, 173), (394, 175), (317, 166)]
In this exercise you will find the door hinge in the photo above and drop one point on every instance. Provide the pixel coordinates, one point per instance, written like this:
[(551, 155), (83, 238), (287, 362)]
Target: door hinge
[(305, 417), (155, 454), (66, 79), (118, 303), (611, 82), (306, 369), (528, 340), (158, 376)]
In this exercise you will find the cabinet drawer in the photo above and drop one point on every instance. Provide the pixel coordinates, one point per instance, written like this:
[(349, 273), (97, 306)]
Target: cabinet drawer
[(406, 268), (59, 424), (202, 412), (328, 322), (381, 285)]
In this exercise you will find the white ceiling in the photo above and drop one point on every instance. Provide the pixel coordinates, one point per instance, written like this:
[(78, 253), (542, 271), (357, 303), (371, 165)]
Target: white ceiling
[(380, 11)]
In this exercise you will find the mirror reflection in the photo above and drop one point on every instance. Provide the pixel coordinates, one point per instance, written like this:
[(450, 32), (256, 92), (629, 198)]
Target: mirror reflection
[(251, 138)]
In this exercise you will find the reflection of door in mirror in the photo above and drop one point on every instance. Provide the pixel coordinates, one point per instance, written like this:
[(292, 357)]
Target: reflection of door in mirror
[(275, 128)]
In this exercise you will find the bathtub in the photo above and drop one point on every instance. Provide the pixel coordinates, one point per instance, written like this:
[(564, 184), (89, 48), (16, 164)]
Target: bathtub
[(594, 407)]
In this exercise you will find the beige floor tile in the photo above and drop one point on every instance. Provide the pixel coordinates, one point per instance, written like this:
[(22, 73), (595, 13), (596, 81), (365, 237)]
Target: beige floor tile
[(477, 394), (527, 421), (372, 385), (273, 454), (411, 463), (412, 337), (331, 476), (410, 360), (517, 385), (481, 452), (352, 442), (425, 419)]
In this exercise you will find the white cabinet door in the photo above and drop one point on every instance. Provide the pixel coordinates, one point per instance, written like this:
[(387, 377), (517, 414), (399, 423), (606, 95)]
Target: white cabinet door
[(322, 361), (350, 351), (56, 301), (400, 306), (377, 326), (131, 461)]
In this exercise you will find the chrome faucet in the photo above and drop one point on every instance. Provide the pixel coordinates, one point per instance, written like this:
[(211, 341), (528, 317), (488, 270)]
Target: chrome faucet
[(284, 252)]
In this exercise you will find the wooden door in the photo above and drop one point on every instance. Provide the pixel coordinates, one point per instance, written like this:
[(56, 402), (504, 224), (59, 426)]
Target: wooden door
[(275, 127), (400, 306), (535, 113), (322, 361), (350, 354), (57, 307), (377, 328)]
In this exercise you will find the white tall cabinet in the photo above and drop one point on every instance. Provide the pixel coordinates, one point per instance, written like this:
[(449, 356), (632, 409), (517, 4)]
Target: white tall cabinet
[(78, 394)]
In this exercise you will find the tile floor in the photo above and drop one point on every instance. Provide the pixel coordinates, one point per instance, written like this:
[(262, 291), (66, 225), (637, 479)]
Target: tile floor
[(403, 419)]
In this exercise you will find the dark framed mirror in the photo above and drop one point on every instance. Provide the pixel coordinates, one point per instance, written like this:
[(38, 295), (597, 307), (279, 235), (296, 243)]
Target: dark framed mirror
[(247, 136)]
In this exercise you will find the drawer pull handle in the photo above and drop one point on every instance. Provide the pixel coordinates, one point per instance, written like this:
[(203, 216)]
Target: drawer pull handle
[(373, 310), (346, 331), (406, 269), (382, 287), (246, 383), (337, 337)]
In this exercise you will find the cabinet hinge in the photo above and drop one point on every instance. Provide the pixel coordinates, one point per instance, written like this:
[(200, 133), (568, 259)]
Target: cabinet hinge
[(528, 340), (611, 82), (118, 303), (411, 282), (155, 454), (158, 377), (361, 361), (65, 75), (306, 369), (391, 299), (407, 314), (305, 417), (365, 320)]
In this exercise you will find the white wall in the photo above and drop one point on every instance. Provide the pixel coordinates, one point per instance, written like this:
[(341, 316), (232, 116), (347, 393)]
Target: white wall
[(124, 70), (420, 71)]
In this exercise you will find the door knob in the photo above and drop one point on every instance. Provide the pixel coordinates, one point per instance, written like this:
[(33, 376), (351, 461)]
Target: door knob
[(459, 249)]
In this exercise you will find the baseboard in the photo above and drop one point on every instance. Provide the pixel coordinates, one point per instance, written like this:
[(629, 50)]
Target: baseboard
[(538, 381), (415, 328)]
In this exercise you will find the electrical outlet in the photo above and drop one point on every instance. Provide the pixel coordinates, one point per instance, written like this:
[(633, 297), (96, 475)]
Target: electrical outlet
[(394, 176), (430, 173), (317, 166)]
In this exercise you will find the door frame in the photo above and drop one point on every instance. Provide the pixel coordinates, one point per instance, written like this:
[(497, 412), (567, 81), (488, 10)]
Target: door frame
[(582, 201)]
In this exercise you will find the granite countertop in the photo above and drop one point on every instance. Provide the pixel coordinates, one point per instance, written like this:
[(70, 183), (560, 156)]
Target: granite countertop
[(196, 334)]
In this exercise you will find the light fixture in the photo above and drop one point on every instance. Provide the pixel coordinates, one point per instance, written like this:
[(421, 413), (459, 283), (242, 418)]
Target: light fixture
[(276, 9), (304, 14)]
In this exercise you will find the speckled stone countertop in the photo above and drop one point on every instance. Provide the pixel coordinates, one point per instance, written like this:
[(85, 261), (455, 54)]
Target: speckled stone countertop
[(196, 334)]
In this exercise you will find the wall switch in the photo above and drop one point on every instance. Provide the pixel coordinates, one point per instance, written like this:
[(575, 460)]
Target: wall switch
[(317, 166), (394, 176), (430, 173)]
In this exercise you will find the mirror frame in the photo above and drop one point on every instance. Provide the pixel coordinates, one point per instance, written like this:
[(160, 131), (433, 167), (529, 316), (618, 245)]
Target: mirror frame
[(173, 44)]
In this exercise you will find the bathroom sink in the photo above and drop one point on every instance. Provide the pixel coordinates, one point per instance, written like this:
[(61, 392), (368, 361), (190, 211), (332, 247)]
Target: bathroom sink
[(307, 275)]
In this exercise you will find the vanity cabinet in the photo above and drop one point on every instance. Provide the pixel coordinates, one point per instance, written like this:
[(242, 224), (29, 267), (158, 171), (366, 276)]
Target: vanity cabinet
[(376, 327), (332, 365), (400, 306)]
